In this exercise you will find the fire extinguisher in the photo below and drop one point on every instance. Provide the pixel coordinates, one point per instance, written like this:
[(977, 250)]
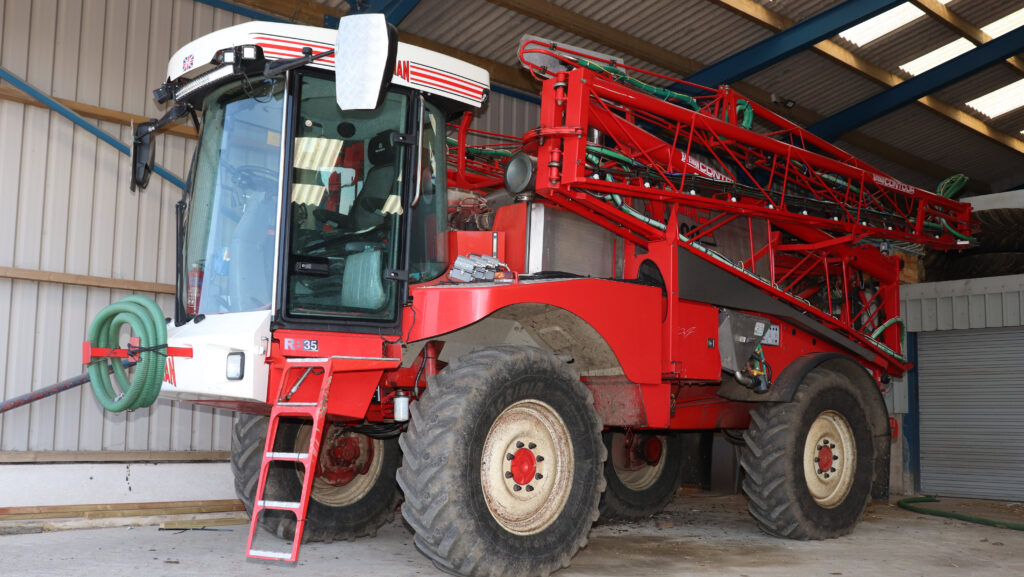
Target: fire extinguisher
[(194, 289)]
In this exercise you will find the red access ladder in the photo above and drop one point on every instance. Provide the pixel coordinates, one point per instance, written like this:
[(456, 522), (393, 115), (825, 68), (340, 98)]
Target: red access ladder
[(317, 413)]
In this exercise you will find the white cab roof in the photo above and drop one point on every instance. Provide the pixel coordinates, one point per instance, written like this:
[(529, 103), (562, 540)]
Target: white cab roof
[(415, 67)]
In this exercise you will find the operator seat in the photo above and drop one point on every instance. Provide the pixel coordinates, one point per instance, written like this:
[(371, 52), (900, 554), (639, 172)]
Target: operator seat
[(379, 184), (362, 284)]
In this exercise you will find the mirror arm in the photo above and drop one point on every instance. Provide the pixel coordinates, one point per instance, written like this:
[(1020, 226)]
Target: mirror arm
[(276, 67)]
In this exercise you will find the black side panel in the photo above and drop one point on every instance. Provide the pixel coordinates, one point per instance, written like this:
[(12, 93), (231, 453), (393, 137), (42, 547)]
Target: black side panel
[(704, 282)]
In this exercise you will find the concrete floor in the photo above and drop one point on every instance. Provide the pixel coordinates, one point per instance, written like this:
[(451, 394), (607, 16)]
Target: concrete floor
[(697, 535)]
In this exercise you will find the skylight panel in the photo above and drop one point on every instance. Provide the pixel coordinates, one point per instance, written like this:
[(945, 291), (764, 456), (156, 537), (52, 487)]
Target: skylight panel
[(874, 28), (962, 45), (997, 102), (937, 56)]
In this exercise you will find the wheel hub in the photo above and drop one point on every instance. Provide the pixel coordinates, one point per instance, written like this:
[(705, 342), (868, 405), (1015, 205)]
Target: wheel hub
[(523, 466), (638, 459), (342, 458), (826, 458), (652, 450)]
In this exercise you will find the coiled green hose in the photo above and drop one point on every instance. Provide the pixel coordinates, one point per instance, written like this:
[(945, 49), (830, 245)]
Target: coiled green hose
[(147, 322)]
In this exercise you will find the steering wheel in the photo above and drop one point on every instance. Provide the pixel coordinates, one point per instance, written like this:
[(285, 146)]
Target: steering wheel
[(248, 181)]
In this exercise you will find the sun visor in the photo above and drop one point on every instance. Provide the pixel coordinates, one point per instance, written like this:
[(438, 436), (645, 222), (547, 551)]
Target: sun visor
[(364, 57)]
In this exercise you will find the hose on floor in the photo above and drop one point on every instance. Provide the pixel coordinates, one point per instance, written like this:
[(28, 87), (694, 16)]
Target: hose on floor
[(147, 322), (908, 504)]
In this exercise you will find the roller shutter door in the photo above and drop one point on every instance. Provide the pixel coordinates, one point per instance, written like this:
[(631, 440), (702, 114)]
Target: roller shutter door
[(971, 392)]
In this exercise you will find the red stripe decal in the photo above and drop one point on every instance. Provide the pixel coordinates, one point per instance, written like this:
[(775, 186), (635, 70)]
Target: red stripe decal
[(427, 80), (446, 78)]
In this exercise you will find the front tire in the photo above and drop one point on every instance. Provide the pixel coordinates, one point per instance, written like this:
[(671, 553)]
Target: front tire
[(643, 473), (353, 495), (810, 463), (502, 474)]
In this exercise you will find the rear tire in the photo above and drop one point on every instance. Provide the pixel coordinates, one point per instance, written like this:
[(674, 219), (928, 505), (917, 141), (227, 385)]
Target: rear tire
[(337, 510), (640, 484), (810, 463), (503, 467)]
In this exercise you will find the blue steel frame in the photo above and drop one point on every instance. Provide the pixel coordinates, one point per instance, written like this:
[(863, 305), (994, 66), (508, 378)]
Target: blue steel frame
[(393, 10), (988, 54), (80, 121), (790, 41)]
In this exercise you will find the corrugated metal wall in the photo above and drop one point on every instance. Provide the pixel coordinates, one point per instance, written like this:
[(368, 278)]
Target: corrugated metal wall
[(971, 398), (978, 303), (66, 207), (507, 115)]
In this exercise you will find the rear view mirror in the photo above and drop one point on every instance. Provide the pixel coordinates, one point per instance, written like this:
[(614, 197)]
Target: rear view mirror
[(143, 155), (364, 58)]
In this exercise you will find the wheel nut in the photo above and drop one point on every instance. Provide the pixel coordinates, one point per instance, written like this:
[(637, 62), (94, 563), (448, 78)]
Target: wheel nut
[(835, 457), (529, 488), (819, 471), (508, 474), (538, 476), (826, 475), (540, 458), (531, 446), (833, 470), (831, 446), (509, 456), (815, 459), (519, 444), (516, 488)]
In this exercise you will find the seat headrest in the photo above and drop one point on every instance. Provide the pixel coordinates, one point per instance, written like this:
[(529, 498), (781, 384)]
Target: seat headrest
[(381, 149)]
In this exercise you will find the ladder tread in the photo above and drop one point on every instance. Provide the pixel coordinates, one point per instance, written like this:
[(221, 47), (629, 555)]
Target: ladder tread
[(283, 505), (277, 455), (270, 554)]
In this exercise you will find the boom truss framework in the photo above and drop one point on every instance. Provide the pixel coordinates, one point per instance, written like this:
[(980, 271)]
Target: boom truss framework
[(704, 169)]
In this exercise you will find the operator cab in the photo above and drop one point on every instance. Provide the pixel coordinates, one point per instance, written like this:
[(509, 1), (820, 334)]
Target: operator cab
[(297, 205)]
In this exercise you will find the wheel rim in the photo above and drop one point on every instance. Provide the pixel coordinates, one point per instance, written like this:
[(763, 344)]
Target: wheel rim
[(634, 472), (830, 459), (526, 467), (339, 491)]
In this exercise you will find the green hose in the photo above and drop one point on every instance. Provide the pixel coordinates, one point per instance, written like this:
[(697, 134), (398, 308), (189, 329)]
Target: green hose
[(952, 185), (955, 232), (657, 92), (147, 322), (480, 150), (908, 505)]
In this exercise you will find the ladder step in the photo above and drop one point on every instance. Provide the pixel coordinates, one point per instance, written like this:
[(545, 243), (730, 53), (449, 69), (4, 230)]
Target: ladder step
[(269, 554), (284, 505), (280, 404), (287, 456)]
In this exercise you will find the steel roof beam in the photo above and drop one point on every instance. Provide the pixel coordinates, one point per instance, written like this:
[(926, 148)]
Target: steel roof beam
[(962, 27), (937, 78), (790, 41), (394, 11), (755, 12)]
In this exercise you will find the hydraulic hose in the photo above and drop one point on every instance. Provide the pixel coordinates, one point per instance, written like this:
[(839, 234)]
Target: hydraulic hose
[(908, 504), (147, 322), (952, 185)]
